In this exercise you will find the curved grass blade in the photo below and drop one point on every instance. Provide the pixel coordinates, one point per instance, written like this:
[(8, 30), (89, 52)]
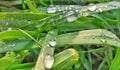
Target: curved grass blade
[(18, 20), (115, 65), (94, 36), (24, 32), (16, 45), (10, 60), (25, 66), (15, 34), (32, 8), (65, 59)]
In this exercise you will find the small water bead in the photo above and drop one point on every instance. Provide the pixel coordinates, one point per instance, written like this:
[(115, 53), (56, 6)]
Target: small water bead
[(9, 29), (115, 3), (6, 23), (51, 9), (51, 20), (11, 45), (7, 53), (59, 9), (52, 43), (99, 10), (66, 7), (60, 16), (48, 61), (2, 43), (17, 56), (71, 16), (103, 38), (91, 7)]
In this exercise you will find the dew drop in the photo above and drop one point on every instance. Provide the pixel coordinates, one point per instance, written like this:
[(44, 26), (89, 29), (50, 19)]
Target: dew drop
[(52, 20), (91, 7), (51, 9), (6, 23), (59, 9), (103, 38), (10, 45), (2, 43), (9, 29), (99, 10), (71, 16), (7, 53), (66, 8), (52, 43), (17, 56), (12, 19), (48, 61), (60, 16)]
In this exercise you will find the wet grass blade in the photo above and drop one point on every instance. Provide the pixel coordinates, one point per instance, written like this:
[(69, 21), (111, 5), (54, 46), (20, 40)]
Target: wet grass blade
[(47, 49), (17, 19), (65, 59), (16, 45), (94, 36)]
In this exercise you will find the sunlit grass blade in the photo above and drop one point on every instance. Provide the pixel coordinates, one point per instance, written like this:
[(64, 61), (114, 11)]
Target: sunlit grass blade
[(115, 65), (46, 50), (65, 59), (32, 8), (94, 36)]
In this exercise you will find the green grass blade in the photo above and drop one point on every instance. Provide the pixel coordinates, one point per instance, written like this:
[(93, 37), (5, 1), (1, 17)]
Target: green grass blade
[(65, 59), (89, 37), (17, 19), (115, 65), (16, 45), (15, 34), (32, 8)]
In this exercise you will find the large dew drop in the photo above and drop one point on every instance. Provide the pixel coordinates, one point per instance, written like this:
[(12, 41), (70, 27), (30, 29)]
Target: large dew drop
[(71, 16), (48, 61), (51, 9), (52, 43), (92, 7)]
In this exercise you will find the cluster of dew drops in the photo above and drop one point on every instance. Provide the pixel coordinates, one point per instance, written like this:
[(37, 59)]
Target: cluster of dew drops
[(72, 10)]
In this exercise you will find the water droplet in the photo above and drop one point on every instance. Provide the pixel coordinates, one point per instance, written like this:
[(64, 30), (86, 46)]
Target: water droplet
[(52, 20), (59, 9), (92, 7), (60, 16), (2, 43), (70, 7), (66, 8), (51, 9), (48, 61), (17, 56), (103, 38), (11, 45), (71, 16), (6, 23), (52, 43), (9, 29), (7, 53), (76, 10), (99, 10)]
